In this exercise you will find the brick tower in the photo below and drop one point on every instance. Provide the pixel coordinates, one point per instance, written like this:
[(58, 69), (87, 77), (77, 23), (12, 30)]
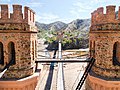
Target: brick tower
[(18, 36), (105, 48)]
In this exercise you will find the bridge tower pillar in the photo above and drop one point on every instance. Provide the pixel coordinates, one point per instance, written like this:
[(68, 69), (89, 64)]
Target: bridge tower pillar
[(105, 48), (18, 36)]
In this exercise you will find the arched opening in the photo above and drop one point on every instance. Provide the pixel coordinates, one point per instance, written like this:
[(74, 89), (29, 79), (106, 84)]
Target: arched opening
[(116, 53), (90, 48), (33, 49), (11, 51), (94, 49), (1, 54)]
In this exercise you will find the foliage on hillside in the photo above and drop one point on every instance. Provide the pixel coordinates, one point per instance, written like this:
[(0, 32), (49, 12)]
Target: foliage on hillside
[(73, 38)]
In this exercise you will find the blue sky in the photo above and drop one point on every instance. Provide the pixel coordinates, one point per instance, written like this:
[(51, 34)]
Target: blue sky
[(48, 11)]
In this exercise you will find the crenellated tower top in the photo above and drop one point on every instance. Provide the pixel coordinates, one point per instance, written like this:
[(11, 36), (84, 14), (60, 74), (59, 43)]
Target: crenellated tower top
[(105, 21), (17, 15), (27, 17)]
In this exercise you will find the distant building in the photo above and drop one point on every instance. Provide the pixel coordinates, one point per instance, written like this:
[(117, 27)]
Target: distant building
[(105, 48)]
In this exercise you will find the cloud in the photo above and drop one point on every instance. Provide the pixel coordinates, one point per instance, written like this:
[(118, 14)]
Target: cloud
[(79, 7), (47, 17), (35, 4), (98, 1), (82, 6), (5, 0), (50, 18)]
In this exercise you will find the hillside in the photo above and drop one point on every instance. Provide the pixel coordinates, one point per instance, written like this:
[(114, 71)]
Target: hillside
[(52, 26), (75, 33), (79, 24)]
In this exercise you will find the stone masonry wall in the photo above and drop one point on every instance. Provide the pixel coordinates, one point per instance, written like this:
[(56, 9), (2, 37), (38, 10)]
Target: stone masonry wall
[(17, 20), (19, 28), (93, 83), (17, 16), (104, 52), (24, 61), (104, 32)]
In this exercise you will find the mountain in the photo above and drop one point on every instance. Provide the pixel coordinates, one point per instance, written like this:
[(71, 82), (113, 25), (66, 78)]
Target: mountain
[(75, 33), (79, 27), (52, 26), (41, 26), (78, 24)]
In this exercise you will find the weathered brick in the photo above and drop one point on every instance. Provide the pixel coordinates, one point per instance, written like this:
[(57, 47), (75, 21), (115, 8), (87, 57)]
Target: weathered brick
[(18, 30), (104, 34)]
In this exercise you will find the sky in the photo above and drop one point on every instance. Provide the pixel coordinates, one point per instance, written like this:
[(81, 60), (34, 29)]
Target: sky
[(48, 11)]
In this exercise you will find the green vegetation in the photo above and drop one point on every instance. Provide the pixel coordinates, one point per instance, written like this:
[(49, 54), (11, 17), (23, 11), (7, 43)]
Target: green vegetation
[(75, 33), (71, 39)]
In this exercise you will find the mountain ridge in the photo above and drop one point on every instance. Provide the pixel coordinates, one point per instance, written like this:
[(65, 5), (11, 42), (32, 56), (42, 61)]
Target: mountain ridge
[(59, 25), (75, 33)]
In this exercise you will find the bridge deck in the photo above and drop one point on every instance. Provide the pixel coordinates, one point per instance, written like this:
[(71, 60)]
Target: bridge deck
[(72, 74)]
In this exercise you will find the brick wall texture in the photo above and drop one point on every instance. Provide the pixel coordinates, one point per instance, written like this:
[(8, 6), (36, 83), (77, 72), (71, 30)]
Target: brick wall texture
[(104, 33), (19, 28)]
